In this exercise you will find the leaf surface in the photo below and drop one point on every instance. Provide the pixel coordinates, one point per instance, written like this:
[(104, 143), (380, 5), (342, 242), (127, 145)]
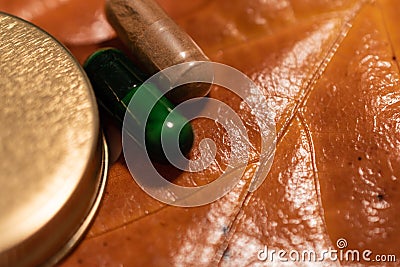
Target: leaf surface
[(331, 70)]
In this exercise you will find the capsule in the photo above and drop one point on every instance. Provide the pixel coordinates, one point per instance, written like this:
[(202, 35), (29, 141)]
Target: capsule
[(115, 79), (156, 41)]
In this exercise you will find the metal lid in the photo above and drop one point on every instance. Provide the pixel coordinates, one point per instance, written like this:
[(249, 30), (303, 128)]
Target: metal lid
[(53, 160)]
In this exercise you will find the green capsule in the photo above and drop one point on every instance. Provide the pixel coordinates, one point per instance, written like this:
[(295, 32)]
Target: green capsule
[(115, 79)]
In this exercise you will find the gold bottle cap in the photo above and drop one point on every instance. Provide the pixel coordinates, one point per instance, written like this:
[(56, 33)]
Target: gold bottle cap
[(53, 159)]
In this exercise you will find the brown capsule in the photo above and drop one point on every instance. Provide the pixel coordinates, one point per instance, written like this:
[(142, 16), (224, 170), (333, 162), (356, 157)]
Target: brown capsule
[(156, 41)]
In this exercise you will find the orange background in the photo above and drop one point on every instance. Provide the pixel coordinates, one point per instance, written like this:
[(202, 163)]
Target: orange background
[(330, 68)]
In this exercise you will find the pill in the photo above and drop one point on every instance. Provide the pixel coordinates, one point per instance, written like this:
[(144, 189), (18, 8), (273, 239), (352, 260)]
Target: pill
[(156, 41), (115, 79)]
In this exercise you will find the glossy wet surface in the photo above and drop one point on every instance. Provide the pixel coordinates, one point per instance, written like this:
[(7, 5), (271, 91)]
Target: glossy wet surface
[(331, 70)]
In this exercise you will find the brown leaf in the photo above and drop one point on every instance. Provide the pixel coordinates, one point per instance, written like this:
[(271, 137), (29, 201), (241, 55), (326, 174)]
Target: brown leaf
[(330, 68)]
